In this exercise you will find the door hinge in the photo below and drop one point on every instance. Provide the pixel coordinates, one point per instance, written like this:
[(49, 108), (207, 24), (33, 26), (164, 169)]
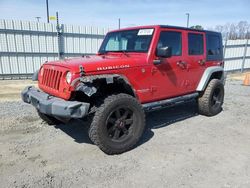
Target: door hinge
[(153, 89), (154, 70)]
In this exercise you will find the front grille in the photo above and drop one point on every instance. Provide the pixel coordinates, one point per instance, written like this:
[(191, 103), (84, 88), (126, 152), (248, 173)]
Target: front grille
[(51, 78)]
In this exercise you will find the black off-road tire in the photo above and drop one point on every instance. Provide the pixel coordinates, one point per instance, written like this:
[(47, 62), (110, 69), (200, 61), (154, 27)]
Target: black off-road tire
[(118, 113), (48, 119), (211, 101)]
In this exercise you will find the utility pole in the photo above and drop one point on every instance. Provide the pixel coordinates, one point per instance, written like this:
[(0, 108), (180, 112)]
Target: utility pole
[(38, 18), (187, 19), (47, 6), (119, 23)]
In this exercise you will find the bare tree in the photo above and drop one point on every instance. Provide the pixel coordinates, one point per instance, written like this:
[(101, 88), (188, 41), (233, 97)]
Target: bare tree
[(240, 30), (219, 28), (233, 31)]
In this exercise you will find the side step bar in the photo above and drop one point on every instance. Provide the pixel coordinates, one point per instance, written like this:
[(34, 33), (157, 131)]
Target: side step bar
[(169, 102)]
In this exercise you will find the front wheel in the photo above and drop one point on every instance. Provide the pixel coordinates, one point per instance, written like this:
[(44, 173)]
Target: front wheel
[(118, 124), (210, 102)]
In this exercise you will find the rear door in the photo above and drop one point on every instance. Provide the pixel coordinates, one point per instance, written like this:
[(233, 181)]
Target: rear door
[(195, 58)]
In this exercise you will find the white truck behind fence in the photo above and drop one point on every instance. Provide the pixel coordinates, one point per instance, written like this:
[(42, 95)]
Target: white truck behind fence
[(25, 45)]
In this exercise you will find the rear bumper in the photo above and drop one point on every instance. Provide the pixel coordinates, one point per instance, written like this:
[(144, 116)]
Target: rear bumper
[(54, 106)]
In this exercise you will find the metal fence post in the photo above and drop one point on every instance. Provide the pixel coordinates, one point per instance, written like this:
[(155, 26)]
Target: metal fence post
[(225, 46), (7, 46), (1, 65), (62, 45), (59, 30), (244, 56)]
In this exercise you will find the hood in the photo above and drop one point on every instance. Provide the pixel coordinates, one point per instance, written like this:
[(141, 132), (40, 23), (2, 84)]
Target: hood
[(102, 62)]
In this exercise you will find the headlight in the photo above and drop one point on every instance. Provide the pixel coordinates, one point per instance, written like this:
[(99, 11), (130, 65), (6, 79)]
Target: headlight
[(68, 77), (41, 71)]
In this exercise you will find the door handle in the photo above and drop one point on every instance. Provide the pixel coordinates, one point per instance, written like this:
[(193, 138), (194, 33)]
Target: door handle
[(202, 61), (182, 64)]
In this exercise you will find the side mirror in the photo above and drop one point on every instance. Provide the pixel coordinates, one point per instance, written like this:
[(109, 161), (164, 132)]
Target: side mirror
[(164, 52)]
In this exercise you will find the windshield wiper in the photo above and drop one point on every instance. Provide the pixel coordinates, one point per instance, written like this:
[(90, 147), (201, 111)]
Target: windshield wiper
[(103, 52), (124, 52), (119, 51)]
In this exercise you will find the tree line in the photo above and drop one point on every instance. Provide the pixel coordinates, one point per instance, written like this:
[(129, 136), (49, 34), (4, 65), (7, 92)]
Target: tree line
[(233, 31)]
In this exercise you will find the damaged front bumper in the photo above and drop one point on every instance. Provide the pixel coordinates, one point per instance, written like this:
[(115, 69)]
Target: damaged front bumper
[(54, 106)]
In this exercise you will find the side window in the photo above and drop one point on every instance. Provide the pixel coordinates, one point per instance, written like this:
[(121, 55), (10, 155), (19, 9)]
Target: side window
[(170, 39), (214, 47), (195, 44)]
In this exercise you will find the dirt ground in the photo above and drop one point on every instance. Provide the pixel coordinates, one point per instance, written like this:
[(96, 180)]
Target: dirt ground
[(179, 149), (10, 89)]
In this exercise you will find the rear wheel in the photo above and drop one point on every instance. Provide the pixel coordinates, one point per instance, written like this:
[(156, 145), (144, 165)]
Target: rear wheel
[(48, 119), (118, 124), (211, 101)]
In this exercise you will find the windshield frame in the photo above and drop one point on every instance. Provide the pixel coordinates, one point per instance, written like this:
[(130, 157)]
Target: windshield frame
[(105, 41)]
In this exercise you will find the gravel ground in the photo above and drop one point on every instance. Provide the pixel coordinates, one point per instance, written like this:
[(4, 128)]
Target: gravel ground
[(179, 149)]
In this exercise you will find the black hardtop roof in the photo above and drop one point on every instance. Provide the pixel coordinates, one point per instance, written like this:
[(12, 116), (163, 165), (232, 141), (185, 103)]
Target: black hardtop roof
[(189, 29)]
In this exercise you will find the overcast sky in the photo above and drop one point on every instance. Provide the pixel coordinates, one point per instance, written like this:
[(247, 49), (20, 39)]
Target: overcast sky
[(105, 13)]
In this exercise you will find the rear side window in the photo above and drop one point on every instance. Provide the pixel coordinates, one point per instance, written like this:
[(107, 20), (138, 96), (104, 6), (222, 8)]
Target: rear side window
[(214, 47), (170, 39), (195, 44)]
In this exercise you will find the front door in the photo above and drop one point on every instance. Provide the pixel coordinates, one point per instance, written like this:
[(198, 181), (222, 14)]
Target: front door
[(169, 78)]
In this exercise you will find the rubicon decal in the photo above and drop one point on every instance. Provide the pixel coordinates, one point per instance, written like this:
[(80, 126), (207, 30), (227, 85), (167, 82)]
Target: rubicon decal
[(113, 67)]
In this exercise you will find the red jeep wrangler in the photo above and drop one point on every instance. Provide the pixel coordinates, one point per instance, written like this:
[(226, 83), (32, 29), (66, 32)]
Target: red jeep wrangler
[(136, 70)]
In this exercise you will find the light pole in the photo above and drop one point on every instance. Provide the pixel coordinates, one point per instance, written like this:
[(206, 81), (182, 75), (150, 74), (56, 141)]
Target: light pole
[(187, 19), (38, 18), (47, 6), (119, 23)]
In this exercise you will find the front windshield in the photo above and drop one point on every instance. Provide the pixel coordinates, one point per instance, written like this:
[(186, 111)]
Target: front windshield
[(137, 40)]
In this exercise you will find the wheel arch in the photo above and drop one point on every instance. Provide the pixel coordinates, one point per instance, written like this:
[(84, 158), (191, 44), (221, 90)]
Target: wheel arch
[(106, 84), (210, 73)]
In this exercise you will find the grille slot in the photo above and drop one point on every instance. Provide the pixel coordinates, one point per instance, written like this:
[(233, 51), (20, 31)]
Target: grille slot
[(51, 78)]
